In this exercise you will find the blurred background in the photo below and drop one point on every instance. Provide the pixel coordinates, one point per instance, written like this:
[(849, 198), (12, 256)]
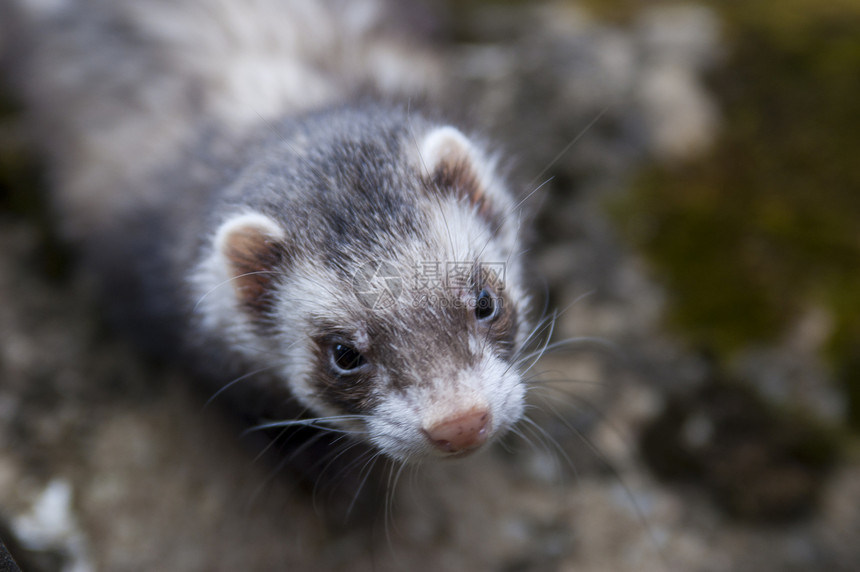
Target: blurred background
[(697, 241)]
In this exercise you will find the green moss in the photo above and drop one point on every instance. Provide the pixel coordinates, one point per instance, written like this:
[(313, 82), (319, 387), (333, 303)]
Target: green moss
[(769, 221)]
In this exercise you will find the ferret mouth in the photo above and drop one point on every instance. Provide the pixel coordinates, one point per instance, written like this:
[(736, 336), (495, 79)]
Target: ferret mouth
[(461, 454)]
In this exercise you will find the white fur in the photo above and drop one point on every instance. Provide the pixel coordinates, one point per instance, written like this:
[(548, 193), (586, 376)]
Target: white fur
[(447, 143), (398, 424), (212, 282), (443, 143)]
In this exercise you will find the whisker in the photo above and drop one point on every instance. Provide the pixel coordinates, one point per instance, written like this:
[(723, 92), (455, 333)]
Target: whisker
[(542, 324), (510, 212), (555, 315), (554, 443), (367, 470), (339, 448), (551, 327), (573, 141), (537, 380), (229, 280), (569, 344), (309, 441), (316, 422), (272, 442), (393, 476), (616, 475), (278, 352), (227, 386)]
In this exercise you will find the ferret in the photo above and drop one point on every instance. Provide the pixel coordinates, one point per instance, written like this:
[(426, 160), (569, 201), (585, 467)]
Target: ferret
[(258, 202)]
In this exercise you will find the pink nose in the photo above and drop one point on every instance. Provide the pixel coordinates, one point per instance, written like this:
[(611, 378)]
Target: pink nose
[(461, 432)]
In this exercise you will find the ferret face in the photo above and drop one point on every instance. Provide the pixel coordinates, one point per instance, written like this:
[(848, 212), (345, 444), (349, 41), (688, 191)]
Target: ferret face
[(429, 371), (427, 362), (401, 323)]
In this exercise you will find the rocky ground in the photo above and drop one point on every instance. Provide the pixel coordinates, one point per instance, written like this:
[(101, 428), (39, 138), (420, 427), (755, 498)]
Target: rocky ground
[(111, 462)]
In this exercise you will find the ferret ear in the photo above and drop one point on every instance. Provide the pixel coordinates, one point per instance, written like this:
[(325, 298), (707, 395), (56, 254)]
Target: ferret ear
[(253, 249), (454, 165)]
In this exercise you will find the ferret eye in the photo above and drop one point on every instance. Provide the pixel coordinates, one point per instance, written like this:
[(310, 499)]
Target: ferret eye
[(346, 358), (485, 305)]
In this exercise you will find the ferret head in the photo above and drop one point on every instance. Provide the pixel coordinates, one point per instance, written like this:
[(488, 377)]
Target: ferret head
[(379, 274)]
